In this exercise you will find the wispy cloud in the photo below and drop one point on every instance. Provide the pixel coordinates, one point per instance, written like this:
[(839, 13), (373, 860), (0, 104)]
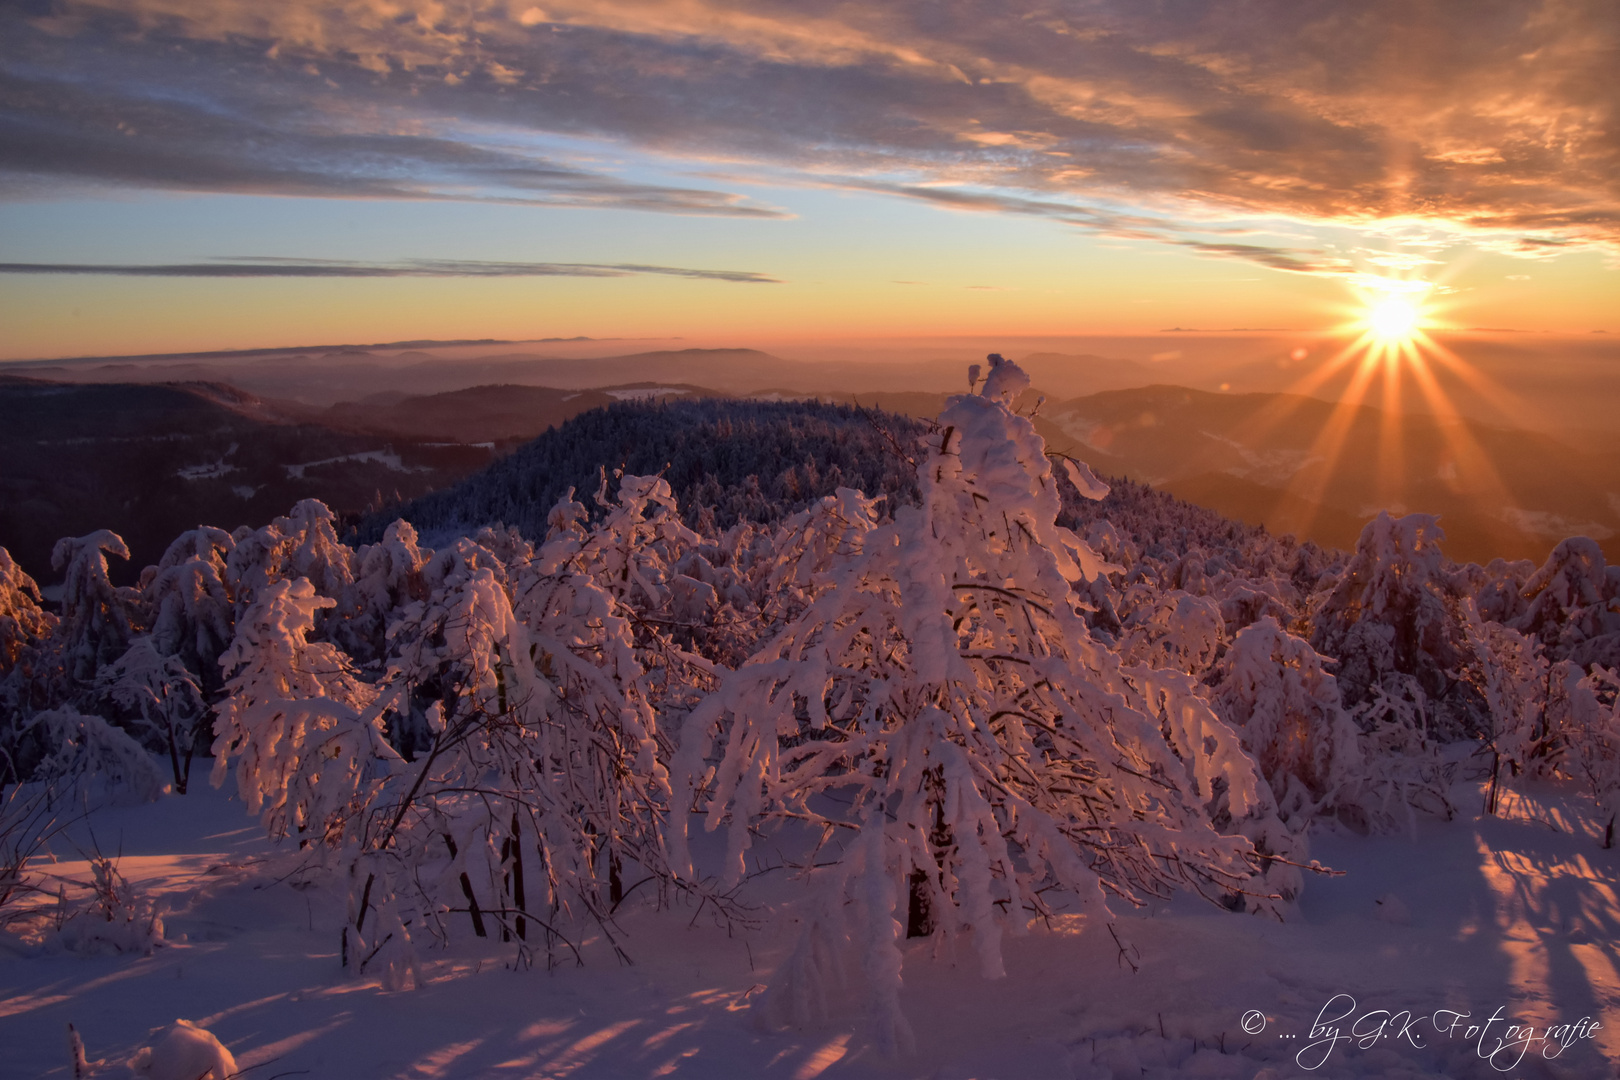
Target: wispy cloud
[(271, 266), (1494, 119), (132, 132)]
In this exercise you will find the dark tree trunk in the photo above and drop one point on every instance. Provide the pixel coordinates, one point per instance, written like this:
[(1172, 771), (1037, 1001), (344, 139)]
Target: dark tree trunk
[(920, 920)]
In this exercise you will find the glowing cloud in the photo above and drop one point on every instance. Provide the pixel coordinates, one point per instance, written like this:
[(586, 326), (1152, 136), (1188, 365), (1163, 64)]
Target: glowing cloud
[(1494, 123)]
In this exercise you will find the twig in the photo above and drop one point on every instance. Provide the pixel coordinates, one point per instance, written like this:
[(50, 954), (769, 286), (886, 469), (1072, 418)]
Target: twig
[(1124, 958)]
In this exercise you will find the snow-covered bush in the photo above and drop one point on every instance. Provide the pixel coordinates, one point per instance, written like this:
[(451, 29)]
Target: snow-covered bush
[(942, 701), (1512, 675), (161, 703), (116, 917), (1591, 728), (1173, 630), (88, 758), (186, 1052), (28, 821)]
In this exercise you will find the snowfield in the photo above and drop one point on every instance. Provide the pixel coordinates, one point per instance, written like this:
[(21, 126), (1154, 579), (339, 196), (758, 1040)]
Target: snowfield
[(1517, 912)]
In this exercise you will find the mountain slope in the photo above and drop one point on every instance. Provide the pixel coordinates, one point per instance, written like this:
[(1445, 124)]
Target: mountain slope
[(1323, 467), (733, 459), (149, 461), (488, 414)]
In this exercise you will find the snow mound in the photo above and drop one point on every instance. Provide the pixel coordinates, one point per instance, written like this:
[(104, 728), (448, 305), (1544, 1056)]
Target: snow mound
[(186, 1052)]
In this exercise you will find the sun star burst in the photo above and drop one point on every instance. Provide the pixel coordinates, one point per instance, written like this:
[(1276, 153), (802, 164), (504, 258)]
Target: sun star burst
[(1393, 320)]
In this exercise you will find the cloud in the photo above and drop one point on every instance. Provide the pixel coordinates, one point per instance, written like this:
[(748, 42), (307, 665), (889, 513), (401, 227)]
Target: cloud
[(90, 132), (1275, 257), (1493, 120), (272, 266), (1127, 226)]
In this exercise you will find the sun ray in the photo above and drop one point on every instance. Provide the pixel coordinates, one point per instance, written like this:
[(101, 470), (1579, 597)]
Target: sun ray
[(1390, 343), (1472, 461), (1508, 405), (1312, 486), (1391, 446)]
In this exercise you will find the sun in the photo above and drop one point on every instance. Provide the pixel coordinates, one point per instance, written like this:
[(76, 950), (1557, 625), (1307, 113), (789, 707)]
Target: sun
[(1393, 319)]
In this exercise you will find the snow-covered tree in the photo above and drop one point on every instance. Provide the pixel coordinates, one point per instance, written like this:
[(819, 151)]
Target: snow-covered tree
[(987, 755), (1572, 605), (1173, 629), (305, 733), (29, 667), (1392, 622), (388, 579), (1498, 588), (23, 623), (442, 836), (1273, 688), (1512, 675), (187, 608), (314, 551), (97, 618), (539, 786), (303, 544)]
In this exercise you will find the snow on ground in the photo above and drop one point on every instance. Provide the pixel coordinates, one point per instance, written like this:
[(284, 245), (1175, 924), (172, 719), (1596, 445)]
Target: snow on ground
[(1516, 917), (386, 458)]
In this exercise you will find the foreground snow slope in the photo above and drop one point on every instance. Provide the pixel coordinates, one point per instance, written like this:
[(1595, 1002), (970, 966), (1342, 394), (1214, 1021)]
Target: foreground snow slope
[(1517, 913)]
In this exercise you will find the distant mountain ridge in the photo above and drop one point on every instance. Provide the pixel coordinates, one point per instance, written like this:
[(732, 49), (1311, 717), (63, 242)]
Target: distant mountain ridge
[(489, 414), (323, 378), (1497, 490), (152, 458), (149, 461), (1261, 458)]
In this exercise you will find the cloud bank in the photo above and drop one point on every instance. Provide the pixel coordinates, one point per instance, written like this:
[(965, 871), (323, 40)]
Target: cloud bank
[(270, 266), (1495, 119)]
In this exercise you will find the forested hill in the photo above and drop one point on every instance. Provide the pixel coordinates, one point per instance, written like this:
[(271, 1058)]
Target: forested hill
[(149, 461), (753, 460)]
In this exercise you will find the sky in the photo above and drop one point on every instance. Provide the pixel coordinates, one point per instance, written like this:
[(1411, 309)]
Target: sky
[(184, 175)]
